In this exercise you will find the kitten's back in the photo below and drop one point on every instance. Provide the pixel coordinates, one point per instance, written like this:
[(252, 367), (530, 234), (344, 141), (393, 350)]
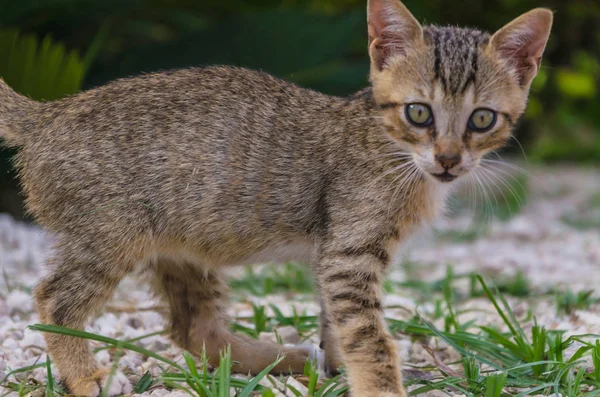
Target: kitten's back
[(220, 152)]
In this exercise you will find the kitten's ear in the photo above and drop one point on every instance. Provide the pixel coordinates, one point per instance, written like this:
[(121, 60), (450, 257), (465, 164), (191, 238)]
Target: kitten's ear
[(521, 43), (392, 30)]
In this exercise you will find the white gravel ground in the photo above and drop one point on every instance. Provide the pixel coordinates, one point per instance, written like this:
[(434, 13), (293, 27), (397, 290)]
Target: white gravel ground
[(537, 242)]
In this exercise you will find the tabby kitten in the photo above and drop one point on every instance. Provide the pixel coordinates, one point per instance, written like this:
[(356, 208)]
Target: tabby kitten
[(183, 173)]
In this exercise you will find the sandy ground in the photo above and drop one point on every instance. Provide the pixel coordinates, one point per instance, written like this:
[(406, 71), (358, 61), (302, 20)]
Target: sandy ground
[(554, 241)]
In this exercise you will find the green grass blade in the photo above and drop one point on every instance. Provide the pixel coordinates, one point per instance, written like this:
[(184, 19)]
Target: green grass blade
[(235, 382), (504, 341), (143, 384), (451, 341), (491, 297), (580, 353), (21, 370), (251, 386), (325, 387), (224, 371), (596, 360), (54, 329), (50, 381), (191, 364), (535, 389), (494, 385), (291, 388), (175, 386), (163, 332)]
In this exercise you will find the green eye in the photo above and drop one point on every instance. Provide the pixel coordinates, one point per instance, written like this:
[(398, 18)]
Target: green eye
[(419, 114), (482, 120)]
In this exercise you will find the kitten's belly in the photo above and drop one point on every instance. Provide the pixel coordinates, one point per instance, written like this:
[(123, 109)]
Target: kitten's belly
[(298, 250)]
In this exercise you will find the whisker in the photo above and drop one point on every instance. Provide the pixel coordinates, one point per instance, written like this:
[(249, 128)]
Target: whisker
[(510, 165), (498, 188), (405, 175), (508, 186), (400, 168), (486, 214), (508, 174), (408, 183), (390, 159), (487, 182), (522, 150), (472, 199), (393, 159), (517, 168), (389, 142), (396, 154)]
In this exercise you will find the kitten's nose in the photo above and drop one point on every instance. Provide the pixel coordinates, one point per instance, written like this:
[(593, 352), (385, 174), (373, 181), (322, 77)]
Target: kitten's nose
[(448, 160)]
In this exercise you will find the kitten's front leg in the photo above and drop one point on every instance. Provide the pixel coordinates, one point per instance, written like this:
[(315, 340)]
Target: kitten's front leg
[(349, 280)]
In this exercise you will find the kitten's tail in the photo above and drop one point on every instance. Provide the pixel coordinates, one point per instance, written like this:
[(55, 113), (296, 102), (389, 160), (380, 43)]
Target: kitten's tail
[(14, 109)]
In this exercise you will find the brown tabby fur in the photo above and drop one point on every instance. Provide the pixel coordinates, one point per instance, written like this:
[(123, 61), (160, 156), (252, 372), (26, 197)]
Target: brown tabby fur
[(185, 172)]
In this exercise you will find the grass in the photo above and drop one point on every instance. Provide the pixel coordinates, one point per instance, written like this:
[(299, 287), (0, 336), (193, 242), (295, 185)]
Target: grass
[(531, 362), (587, 218), (259, 322), (290, 278), (520, 358), (516, 285), (582, 221), (568, 301)]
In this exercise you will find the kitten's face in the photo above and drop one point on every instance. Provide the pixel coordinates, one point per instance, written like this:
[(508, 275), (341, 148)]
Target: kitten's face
[(451, 95)]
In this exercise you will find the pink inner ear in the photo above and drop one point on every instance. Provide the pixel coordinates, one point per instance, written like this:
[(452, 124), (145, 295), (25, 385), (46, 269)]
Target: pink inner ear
[(391, 28), (384, 16), (522, 42), (523, 51)]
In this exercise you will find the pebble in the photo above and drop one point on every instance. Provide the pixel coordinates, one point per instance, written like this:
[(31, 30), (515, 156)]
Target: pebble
[(19, 301)]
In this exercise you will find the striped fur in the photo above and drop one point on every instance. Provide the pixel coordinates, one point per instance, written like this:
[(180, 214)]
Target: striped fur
[(456, 53)]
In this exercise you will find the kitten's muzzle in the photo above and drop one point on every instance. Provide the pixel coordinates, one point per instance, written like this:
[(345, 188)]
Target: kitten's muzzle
[(448, 160), (445, 176)]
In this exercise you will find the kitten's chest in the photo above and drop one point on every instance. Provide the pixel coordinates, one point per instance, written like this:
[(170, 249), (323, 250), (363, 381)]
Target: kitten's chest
[(422, 206)]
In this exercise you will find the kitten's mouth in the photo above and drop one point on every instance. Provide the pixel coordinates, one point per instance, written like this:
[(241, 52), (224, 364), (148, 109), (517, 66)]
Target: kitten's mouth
[(445, 177)]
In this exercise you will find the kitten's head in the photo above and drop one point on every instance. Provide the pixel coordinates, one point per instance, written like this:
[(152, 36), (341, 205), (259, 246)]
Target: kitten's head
[(450, 95)]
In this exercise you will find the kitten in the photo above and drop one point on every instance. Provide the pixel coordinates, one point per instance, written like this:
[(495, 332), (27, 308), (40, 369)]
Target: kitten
[(185, 172)]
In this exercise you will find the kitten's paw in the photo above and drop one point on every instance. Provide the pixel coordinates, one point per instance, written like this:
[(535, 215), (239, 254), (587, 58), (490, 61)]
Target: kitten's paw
[(310, 351), (402, 393), (332, 369), (90, 386), (100, 382), (333, 362), (295, 358)]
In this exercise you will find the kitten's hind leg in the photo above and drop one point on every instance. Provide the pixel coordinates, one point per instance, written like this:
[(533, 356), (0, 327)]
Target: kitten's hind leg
[(78, 286), (198, 318)]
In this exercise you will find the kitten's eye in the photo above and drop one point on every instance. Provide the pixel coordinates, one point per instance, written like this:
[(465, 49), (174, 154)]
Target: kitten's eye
[(419, 114), (482, 120)]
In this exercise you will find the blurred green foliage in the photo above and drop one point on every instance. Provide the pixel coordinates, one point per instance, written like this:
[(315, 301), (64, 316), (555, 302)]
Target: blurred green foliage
[(316, 43), (42, 70)]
